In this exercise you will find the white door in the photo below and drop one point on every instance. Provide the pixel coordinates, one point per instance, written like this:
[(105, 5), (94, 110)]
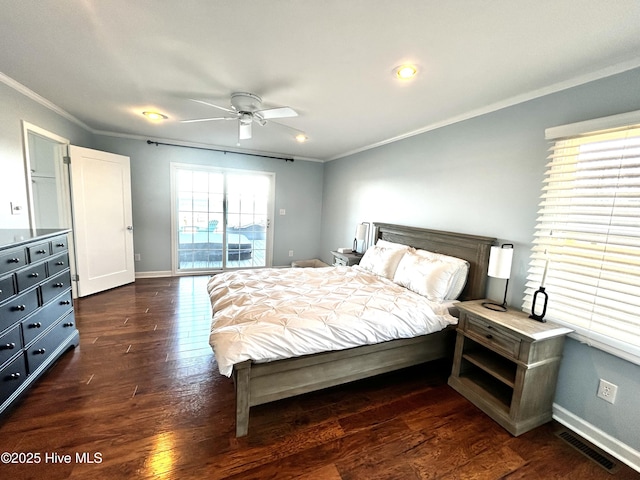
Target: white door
[(102, 219)]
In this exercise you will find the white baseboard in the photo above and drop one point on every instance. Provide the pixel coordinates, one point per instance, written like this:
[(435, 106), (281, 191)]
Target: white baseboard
[(154, 274), (593, 434)]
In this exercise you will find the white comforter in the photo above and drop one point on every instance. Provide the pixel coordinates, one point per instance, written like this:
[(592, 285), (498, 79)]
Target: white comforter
[(272, 313)]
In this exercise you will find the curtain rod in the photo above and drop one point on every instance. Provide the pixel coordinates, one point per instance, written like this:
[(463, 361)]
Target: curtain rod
[(286, 159)]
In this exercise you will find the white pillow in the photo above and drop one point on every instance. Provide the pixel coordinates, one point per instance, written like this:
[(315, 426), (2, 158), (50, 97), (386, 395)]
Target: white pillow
[(428, 276), (388, 244), (382, 259), (460, 275)]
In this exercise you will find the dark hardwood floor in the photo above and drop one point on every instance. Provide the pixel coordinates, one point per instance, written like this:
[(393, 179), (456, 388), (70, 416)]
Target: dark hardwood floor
[(141, 398)]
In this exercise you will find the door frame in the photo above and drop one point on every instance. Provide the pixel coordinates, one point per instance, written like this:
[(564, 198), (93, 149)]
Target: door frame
[(63, 187), (173, 166), (62, 172)]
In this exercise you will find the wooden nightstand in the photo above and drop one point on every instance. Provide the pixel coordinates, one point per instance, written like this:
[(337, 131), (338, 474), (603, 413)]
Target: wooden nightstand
[(346, 259), (507, 365)]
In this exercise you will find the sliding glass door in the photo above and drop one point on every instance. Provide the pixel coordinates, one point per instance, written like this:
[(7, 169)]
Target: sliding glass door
[(221, 218)]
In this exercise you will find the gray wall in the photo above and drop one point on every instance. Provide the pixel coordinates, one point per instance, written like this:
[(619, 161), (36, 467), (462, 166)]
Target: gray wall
[(298, 191), (483, 176), (15, 107)]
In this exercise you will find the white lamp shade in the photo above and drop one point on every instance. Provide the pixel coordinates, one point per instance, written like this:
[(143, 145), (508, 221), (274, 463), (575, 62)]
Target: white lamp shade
[(361, 232), (500, 262)]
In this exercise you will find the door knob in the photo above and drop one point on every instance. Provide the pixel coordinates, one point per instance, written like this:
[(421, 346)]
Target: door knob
[(130, 228)]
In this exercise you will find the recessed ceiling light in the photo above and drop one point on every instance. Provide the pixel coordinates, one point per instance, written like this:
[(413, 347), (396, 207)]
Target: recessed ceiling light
[(301, 138), (155, 116), (405, 72)]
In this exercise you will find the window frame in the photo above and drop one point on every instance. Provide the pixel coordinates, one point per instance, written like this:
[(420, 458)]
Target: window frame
[(226, 265)]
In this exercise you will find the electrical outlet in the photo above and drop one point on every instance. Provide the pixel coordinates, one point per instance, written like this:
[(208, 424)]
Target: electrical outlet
[(291, 253), (607, 391), (137, 257)]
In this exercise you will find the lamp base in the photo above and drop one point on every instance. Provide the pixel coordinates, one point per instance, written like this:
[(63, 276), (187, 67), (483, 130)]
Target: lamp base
[(495, 306)]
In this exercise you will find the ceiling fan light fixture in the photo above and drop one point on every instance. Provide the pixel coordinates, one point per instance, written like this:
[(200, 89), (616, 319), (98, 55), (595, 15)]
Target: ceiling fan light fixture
[(405, 71), (245, 118), (154, 116), (246, 109)]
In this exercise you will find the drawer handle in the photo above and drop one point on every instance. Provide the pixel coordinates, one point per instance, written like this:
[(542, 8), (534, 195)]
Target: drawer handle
[(19, 308), (40, 351), (489, 336), (65, 302), (41, 252), (67, 324), (14, 260), (34, 275), (59, 264), (8, 346), (58, 285), (14, 376), (59, 244), (35, 325)]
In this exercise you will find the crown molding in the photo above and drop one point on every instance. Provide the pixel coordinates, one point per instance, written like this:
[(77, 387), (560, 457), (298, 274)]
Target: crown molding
[(27, 92)]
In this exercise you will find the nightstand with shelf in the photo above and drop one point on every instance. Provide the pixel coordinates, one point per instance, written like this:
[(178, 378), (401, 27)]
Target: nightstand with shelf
[(507, 365), (345, 259)]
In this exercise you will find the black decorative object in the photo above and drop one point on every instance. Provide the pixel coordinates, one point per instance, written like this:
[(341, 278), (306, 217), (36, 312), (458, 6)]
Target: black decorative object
[(535, 309)]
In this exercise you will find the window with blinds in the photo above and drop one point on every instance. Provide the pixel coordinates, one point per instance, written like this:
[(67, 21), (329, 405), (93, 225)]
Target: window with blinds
[(586, 248)]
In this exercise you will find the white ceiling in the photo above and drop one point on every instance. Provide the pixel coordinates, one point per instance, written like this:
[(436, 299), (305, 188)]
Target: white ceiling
[(105, 61)]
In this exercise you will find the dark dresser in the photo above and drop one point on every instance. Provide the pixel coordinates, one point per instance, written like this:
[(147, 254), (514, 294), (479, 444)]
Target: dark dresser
[(37, 323)]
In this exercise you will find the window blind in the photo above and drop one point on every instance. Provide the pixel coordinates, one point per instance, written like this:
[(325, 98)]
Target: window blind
[(587, 239)]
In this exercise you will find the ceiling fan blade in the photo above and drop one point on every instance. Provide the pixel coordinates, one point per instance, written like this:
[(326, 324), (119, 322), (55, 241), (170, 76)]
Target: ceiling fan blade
[(207, 119), (282, 125), (279, 112), (213, 105), (244, 131)]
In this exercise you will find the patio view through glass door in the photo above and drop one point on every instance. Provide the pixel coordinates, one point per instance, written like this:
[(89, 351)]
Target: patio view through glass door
[(221, 218)]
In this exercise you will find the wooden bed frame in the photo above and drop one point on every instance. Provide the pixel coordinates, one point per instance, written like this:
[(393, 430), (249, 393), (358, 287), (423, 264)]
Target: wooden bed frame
[(259, 383)]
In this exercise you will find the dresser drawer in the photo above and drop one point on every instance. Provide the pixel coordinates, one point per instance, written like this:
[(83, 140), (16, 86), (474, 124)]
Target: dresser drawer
[(44, 346), (338, 261), (30, 276), (10, 344), (494, 336), (12, 259), (58, 264), (38, 251), (59, 244), (7, 288), (15, 310), (55, 286), (11, 377), (45, 316)]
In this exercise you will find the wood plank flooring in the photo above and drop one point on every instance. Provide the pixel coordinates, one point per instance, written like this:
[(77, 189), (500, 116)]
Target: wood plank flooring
[(141, 398)]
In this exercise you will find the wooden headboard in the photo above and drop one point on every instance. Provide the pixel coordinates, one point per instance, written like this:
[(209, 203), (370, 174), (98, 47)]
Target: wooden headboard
[(472, 248)]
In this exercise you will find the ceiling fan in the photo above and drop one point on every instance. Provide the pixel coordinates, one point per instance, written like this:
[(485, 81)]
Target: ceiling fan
[(246, 108)]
